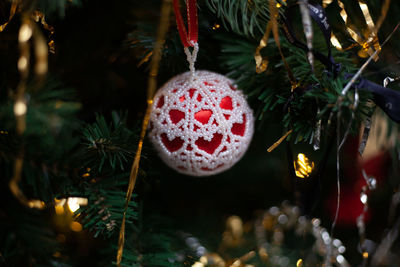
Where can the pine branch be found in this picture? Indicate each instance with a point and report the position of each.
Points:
(113, 145)
(247, 18)
(238, 58)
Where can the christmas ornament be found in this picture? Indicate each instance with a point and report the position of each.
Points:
(200, 124)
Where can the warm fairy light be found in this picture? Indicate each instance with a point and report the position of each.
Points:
(303, 166)
(365, 255)
(335, 42)
(25, 33)
(37, 204)
(299, 263)
(216, 26)
(41, 52)
(203, 260)
(278, 5)
(75, 202)
(262, 252)
(20, 108)
(22, 63)
(75, 226)
(59, 210)
(41, 67)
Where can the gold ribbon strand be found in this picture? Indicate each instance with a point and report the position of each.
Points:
(27, 32)
(369, 43)
(39, 16)
(13, 10)
(151, 89)
(272, 25)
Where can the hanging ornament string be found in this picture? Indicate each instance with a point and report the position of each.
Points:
(151, 88)
(188, 37)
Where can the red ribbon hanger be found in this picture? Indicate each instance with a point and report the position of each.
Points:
(191, 10)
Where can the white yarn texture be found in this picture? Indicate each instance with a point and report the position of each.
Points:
(200, 124)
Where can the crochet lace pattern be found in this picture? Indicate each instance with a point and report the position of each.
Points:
(200, 124)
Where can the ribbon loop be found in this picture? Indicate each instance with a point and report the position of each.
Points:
(191, 10)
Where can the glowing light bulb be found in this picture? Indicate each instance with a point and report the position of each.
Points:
(299, 263)
(20, 108)
(75, 226)
(74, 203)
(25, 33)
(22, 63)
(216, 26)
(303, 166)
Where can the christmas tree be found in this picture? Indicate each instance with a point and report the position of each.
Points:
(208, 133)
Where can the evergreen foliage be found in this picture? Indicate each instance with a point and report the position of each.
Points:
(70, 152)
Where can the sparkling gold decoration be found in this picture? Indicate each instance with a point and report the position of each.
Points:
(75, 226)
(87, 173)
(233, 234)
(13, 9)
(39, 16)
(20, 108)
(326, 3)
(272, 25)
(216, 26)
(59, 210)
(73, 204)
(262, 63)
(270, 228)
(369, 41)
(303, 166)
(299, 263)
(335, 42)
(277, 143)
(145, 59)
(151, 88)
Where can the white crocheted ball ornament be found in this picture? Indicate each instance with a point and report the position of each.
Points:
(200, 125)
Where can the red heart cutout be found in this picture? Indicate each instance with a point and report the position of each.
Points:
(238, 128)
(226, 103)
(172, 145)
(176, 115)
(203, 116)
(209, 146)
